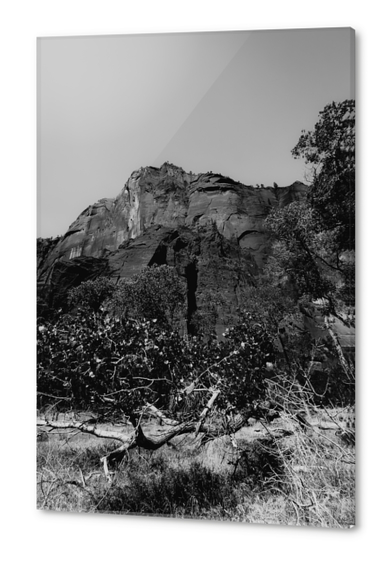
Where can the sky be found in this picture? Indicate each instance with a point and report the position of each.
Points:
(228, 102)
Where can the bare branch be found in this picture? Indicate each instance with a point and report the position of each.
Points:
(137, 438)
(347, 368)
(87, 428)
(206, 410)
(52, 396)
(153, 410)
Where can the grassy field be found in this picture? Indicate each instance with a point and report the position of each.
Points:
(306, 477)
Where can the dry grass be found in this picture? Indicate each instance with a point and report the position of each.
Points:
(304, 478)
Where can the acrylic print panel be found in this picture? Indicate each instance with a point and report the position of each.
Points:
(196, 276)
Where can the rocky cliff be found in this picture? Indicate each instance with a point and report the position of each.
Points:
(208, 226)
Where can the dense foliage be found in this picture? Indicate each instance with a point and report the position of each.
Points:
(156, 293)
(90, 295)
(330, 151)
(116, 367)
(314, 240)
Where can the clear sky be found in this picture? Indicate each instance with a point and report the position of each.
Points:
(230, 102)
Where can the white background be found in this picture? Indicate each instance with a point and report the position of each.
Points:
(31, 535)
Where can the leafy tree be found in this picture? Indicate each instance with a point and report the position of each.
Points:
(313, 242)
(301, 253)
(156, 293)
(85, 360)
(331, 145)
(272, 301)
(122, 370)
(314, 237)
(91, 294)
(329, 150)
(205, 318)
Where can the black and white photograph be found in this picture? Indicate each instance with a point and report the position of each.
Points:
(196, 313)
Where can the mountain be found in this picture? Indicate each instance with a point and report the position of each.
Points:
(208, 226)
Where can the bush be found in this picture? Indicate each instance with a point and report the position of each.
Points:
(93, 361)
(91, 294)
(157, 293)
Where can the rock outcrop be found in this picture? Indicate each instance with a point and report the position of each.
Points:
(208, 226)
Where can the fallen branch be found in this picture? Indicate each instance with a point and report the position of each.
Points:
(86, 428)
(137, 437)
(347, 368)
(153, 410)
(206, 410)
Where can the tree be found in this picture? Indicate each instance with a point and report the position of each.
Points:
(331, 145)
(314, 239)
(131, 369)
(329, 150)
(120, 358)
(301, 253)
(156, 293)
(91, 294)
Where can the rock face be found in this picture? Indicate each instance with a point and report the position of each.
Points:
(172, 198)
(208, 226)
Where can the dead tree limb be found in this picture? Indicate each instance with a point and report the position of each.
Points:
(347, 368)
(137, 438)
(86, 428)
(206, 410)
(153, 410)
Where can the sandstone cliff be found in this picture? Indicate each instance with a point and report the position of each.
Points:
(172, 198)
(208, 226)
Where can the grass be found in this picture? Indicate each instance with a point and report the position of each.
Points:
(305, 478)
